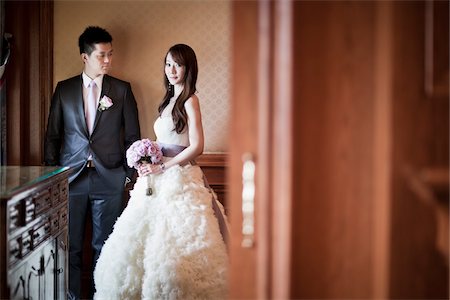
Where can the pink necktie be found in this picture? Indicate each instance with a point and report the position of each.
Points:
(91, 105)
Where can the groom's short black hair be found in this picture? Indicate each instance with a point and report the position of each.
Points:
(93, 35)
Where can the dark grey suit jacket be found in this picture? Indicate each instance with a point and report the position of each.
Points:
(67, 141)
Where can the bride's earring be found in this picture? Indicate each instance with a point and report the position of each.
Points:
(171, 92)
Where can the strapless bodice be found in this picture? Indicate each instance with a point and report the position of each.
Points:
(164, 129)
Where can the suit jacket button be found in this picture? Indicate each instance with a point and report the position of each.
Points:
(90, 141)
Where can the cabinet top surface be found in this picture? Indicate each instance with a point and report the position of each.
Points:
(14, 179)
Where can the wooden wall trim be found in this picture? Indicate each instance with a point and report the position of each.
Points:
(212, 160)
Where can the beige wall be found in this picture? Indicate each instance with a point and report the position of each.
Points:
(142, 33)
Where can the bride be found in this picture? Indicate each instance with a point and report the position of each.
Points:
(169, 245)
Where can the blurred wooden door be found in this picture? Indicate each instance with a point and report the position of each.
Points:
(315, 61)
(260, 130)
(351, 72)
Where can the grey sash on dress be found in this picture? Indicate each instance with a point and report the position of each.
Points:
(170, 150)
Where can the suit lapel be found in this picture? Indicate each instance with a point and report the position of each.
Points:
(106, 85)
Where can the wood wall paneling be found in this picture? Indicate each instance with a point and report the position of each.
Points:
(45, 71)
(28, 79)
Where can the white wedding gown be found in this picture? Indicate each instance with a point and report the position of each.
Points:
(167, 245)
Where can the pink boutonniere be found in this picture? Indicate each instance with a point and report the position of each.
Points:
(105, 103)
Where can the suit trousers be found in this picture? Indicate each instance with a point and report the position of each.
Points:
(89, 193)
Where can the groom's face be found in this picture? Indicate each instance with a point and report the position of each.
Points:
(99, 61)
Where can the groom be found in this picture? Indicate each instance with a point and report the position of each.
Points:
(93, 120)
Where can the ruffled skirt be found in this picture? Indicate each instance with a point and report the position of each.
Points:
(167, 245)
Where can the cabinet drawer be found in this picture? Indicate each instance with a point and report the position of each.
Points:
(29, 210)
(63, 216)
(14, 250)
(43, 201)
(16, 216)
(41, 232)
(54, 222)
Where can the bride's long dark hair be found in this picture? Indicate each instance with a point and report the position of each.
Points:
(184, 56)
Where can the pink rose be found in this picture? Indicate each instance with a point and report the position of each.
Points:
(143, 150)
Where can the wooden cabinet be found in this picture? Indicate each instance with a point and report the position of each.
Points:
(33, 232)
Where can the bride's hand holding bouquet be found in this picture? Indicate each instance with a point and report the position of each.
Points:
(146, 169)
(145, 156)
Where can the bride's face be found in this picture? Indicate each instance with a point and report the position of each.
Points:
(174, 71)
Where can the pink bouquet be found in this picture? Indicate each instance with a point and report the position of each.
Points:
(143, 150)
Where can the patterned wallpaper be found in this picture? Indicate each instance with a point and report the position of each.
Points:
(142, 33)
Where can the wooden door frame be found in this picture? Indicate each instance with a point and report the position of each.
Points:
(262, 125)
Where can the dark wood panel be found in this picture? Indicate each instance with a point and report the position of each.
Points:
(29, 79)
(417, 269)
